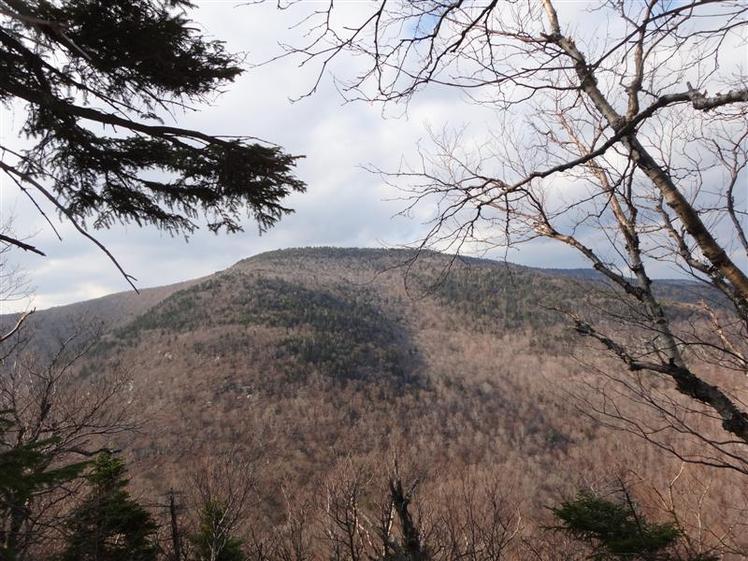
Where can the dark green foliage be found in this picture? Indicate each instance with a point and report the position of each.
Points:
(92, 75)
(180, 312)
(212, 540)
(616, 531)
(26, 471)
(505, 297)
(502, 297)
(109, 525)
(343, 333)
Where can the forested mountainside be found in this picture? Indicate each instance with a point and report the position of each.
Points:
(313, 360)
(53, 325)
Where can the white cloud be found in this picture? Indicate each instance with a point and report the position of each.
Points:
(344, 205)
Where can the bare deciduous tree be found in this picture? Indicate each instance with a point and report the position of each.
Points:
(478, 523)
(66, 420)
(347, 527)
(623, 138)
(14, 285)
(224, 492)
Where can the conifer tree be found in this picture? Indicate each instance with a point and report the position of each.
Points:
(212, 541)
(110, 525)
(615, 530)
(26, 471)
(96, 79)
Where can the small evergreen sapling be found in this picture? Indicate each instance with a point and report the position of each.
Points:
(212, 541)
(26, 471)
(109, 525)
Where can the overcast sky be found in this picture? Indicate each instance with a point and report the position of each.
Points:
(344, 205)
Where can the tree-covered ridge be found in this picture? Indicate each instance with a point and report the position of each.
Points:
(323, 357)
(503, 297)
(368, 255)
(342, 331)
(462, 278)
(351, 313)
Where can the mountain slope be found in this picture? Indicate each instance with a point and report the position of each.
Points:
(315, 357)
(52, 325)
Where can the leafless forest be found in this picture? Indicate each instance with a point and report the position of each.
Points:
(388, 404)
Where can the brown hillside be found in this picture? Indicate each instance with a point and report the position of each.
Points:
(314, 358)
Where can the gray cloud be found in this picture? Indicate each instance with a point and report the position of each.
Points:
(344, 205)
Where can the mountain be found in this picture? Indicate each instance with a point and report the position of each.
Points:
(99, 315)
(314, 357)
